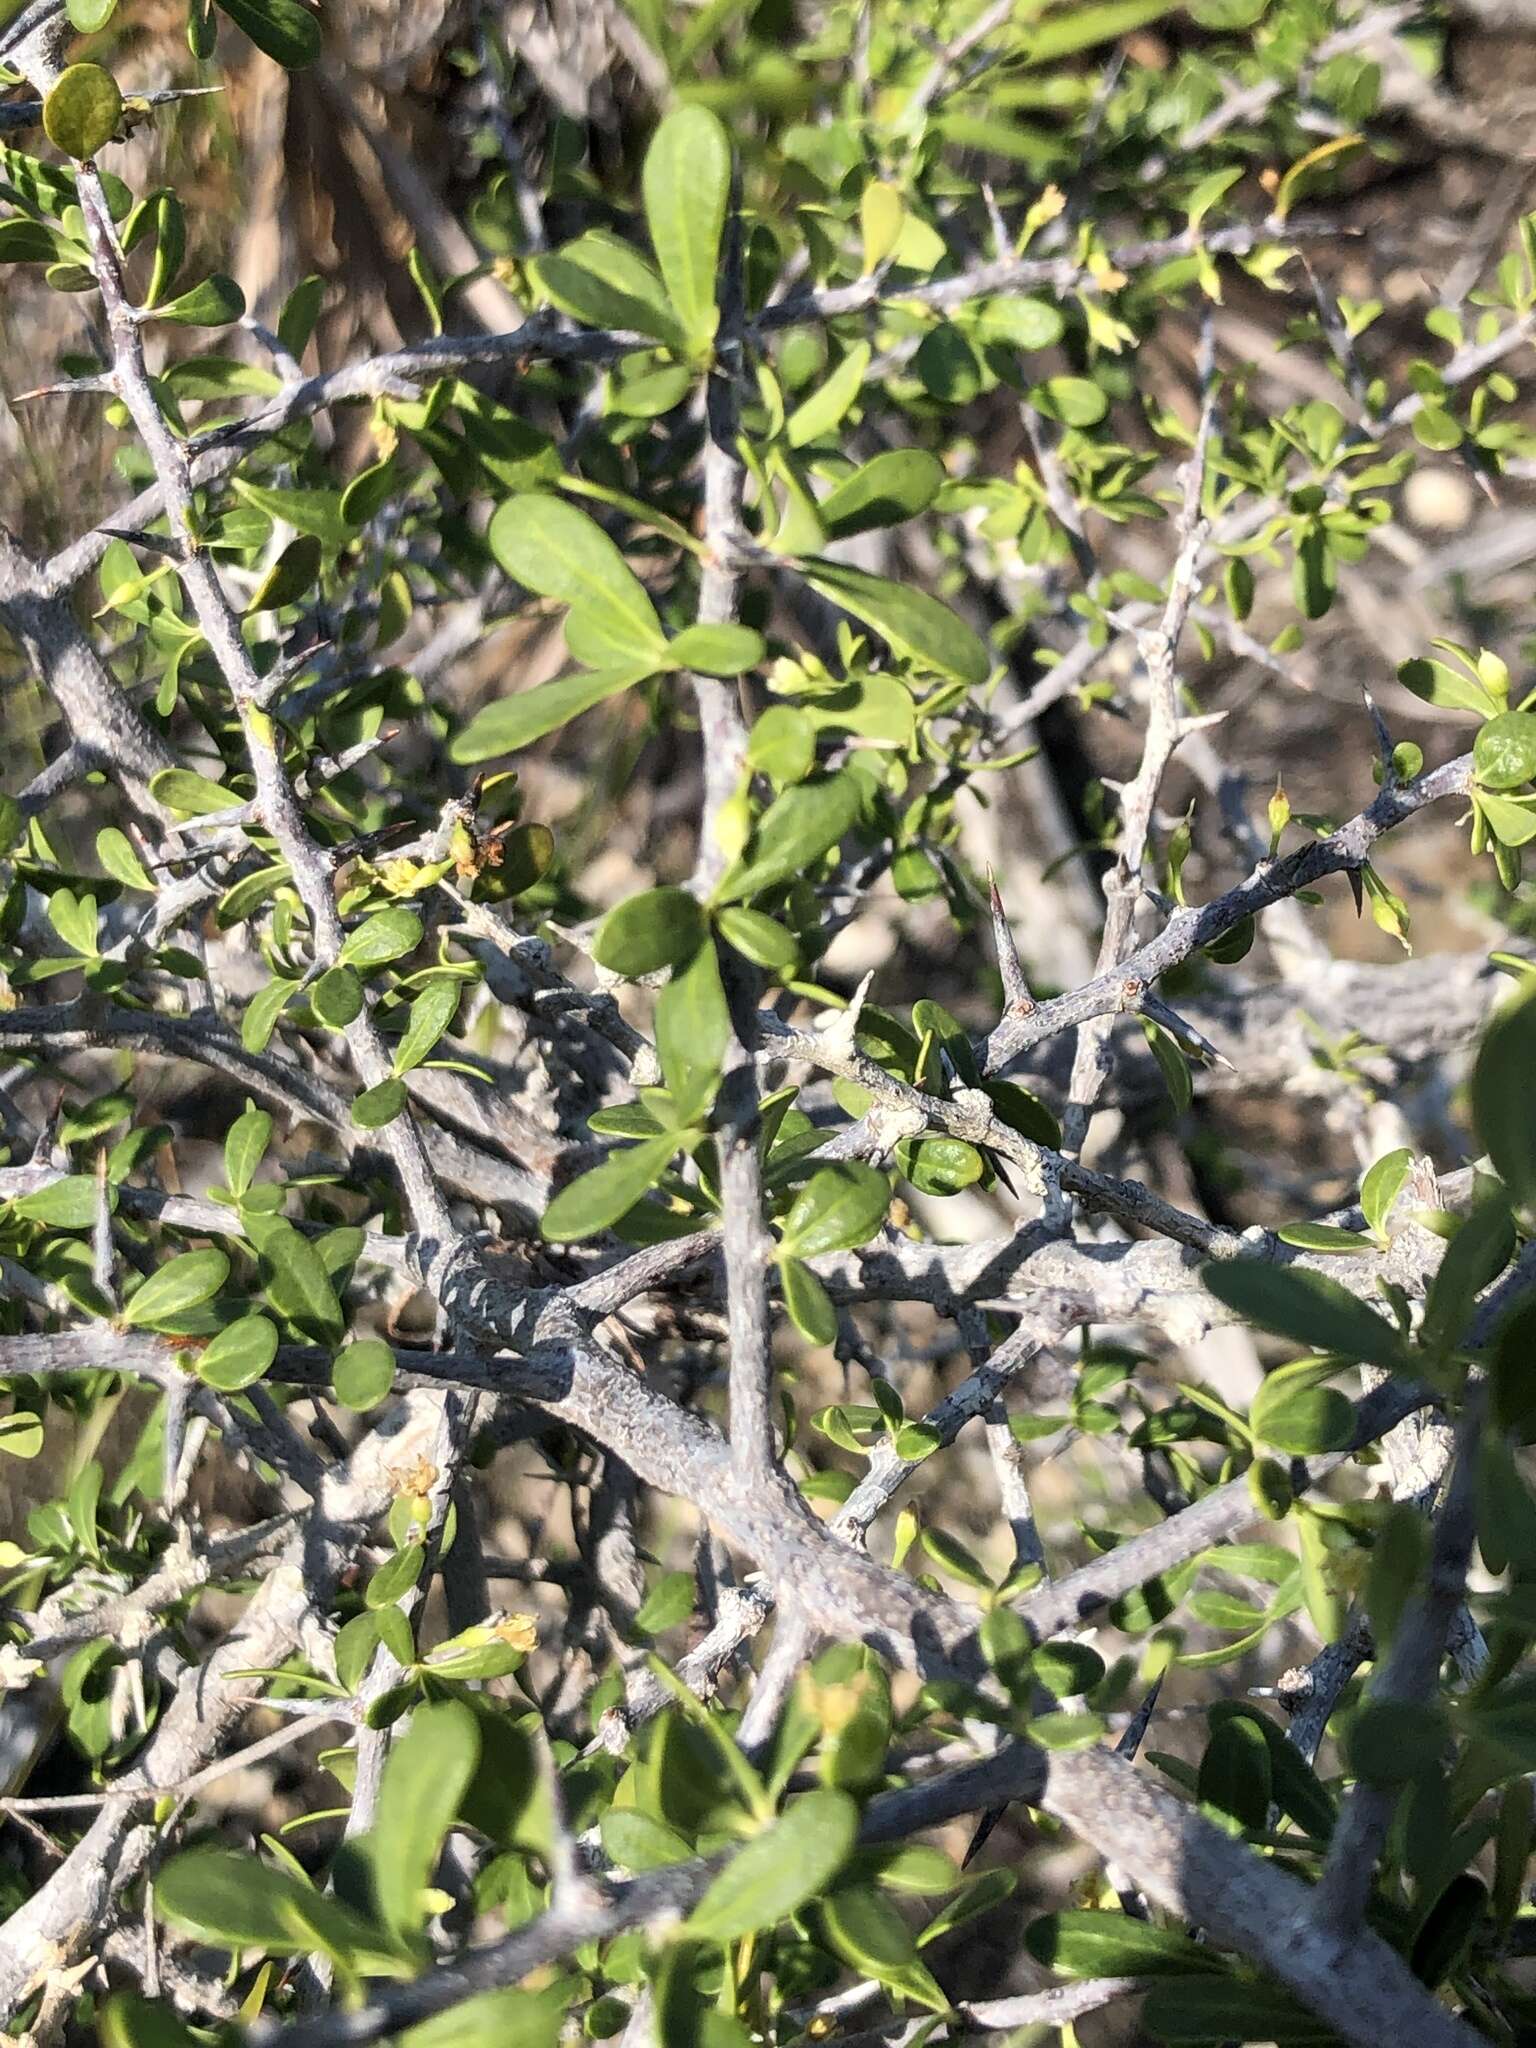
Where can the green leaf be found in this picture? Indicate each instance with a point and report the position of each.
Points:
(841, 1206)
(555, 550)
(82, 110)
(1067, 1669)
(778, 1870)
(236, 1901)
(1437, 683)
(808, 1303)
(182, 1283)
(395, 1577)
(170, 227)
(669, 1602)
(1234, 1772)
(301, 310)
(515, 2018)
(1399, 1557)
(1324, 1237)
(291, 577)
(639, 1841)
(379, 1105)
(363, 1374)
(216, 302)
(914, 623)
(890, 488)
(65, 1204)
(1210, 2009)
(1306, 1307)
(782, 744)
(602, 281)
(87, 16)
(387, 935)
(117, 856)
(1391, 1741)
(1475, 1257)
(238, 1355)
(939, 1166)
(190, 795)
(1298, 1415)
(315, 513)
(284, 30)
(762, 940)
(1088, 1944)
(719, 650)
(826, 406)
(1512, 1372)
(1074, 401)
(686, 184)
(298, 1285)
(871, 1936)
(659, 928)
(793, 833)
(598, 1199)
(431, 1014)
(1504, 752)
(337, 997)
(427, 1774)
(1382, 1185)
(262, 1013)
(28, 241)
(514, 722)
(1511, 820)
(1504, 1095)
(693, 1028)
(245, 1146)
(21, 1434)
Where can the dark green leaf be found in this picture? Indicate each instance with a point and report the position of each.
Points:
(778, 1870)
(914, 623)
(378, 1105)
(693, 1028)
(890, 488)
(1306, 1307)
(337, 997)
(603, 281)
(191, 795)
(315, 513)
(431, 1014)
(1503, 1105)
(298, 1285)
(1209, 2010)
(291, 577)
(428, 1770)
(840, 1207)
(598, 1199)
(284, 29)
(808, 1303)
(794, 832)
(182, 1283)
(387, 935)
(514, 722)
(216, 302)
(660, 928)
(1088, 1944)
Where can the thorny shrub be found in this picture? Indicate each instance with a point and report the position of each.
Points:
(352, 1149)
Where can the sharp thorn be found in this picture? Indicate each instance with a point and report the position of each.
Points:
(1016, 991)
